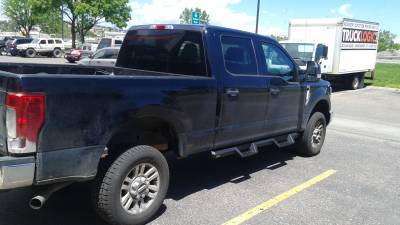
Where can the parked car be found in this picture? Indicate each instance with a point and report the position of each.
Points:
(85, 51)
(3, 42)
(11, 46)
(50, 47)
(195, 89)
(102, 57)
(109, 42)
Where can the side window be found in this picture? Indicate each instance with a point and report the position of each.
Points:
(43, 42)
(277, 62)
(239, 55)
(50, 42)
(58, 42)
(109, 54)
(118, 42)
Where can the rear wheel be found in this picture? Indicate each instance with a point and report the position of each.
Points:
(57, 53)
(355, 81)
(30, 53)
(313, 138)
(132, 190)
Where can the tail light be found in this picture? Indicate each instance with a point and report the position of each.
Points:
(24, 117)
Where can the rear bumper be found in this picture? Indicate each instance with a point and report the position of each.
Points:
(16, 172)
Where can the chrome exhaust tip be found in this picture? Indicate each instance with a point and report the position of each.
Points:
(37, 202)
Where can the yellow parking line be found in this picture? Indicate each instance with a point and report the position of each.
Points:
(268, 204)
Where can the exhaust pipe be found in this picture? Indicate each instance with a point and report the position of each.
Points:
(39, 200)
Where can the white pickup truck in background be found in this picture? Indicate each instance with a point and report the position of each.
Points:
(351, 44)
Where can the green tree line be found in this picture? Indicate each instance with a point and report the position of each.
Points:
(386, 41)
(81, 16)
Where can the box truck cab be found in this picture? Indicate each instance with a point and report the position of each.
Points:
(351, 47)
(303, 52)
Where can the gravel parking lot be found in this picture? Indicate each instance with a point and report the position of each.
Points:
(362, 145)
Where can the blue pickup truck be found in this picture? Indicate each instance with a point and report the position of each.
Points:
(175, 89)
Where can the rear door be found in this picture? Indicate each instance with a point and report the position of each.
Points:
(245, 93)
(285, 95)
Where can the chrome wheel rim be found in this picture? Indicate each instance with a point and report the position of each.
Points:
(140, 188)
(356, 82)
(317, 135)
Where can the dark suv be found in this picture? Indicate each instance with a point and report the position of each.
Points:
(11, 46)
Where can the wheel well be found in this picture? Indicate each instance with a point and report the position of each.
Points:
(149, 131)
(323, 107)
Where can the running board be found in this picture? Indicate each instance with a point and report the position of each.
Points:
(253, 149)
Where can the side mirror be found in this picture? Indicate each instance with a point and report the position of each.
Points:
(313, 72)
(321, 52)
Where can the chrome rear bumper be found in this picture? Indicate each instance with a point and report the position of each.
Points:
(16, 172)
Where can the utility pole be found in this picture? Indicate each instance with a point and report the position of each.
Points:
(62, 20)
(258, 15)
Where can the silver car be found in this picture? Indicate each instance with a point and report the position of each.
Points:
(102, 57)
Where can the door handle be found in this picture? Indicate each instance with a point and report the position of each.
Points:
(233, 92)
(274, 91)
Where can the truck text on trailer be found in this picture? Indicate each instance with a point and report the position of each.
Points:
(351, 44)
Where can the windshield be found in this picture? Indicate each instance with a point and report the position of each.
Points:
(168, 51)
(35, 41)
(300, 51)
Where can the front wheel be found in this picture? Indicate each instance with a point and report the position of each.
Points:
(313, 138)
(133, 188)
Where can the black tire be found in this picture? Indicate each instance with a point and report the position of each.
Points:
(306, 145)
(355, 81)
(30, 53)
(57, 53)
(3, 51)
(107, 190)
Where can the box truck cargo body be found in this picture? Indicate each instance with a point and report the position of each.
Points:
(352, 46)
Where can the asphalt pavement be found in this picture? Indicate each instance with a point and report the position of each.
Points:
(362, 146)
(38, 60)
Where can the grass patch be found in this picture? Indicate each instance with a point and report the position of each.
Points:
(386, 75)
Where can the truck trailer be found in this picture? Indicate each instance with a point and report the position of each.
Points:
(351, 44)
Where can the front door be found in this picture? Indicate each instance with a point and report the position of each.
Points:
(285, 95)
(244, 96)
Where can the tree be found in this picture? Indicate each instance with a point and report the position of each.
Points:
(23, 13)
(186, 16)
(83, 15)
(386, 40)
(8, 26)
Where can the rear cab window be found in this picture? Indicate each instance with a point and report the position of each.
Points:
(169, 51)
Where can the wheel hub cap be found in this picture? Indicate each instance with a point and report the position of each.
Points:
(318, 134)
(140, 188)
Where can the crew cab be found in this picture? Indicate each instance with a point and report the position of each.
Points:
(175, 89)
(42, 46)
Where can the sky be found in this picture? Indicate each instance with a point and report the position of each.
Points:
(274, 15)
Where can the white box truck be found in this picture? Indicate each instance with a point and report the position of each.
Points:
(351, 44)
